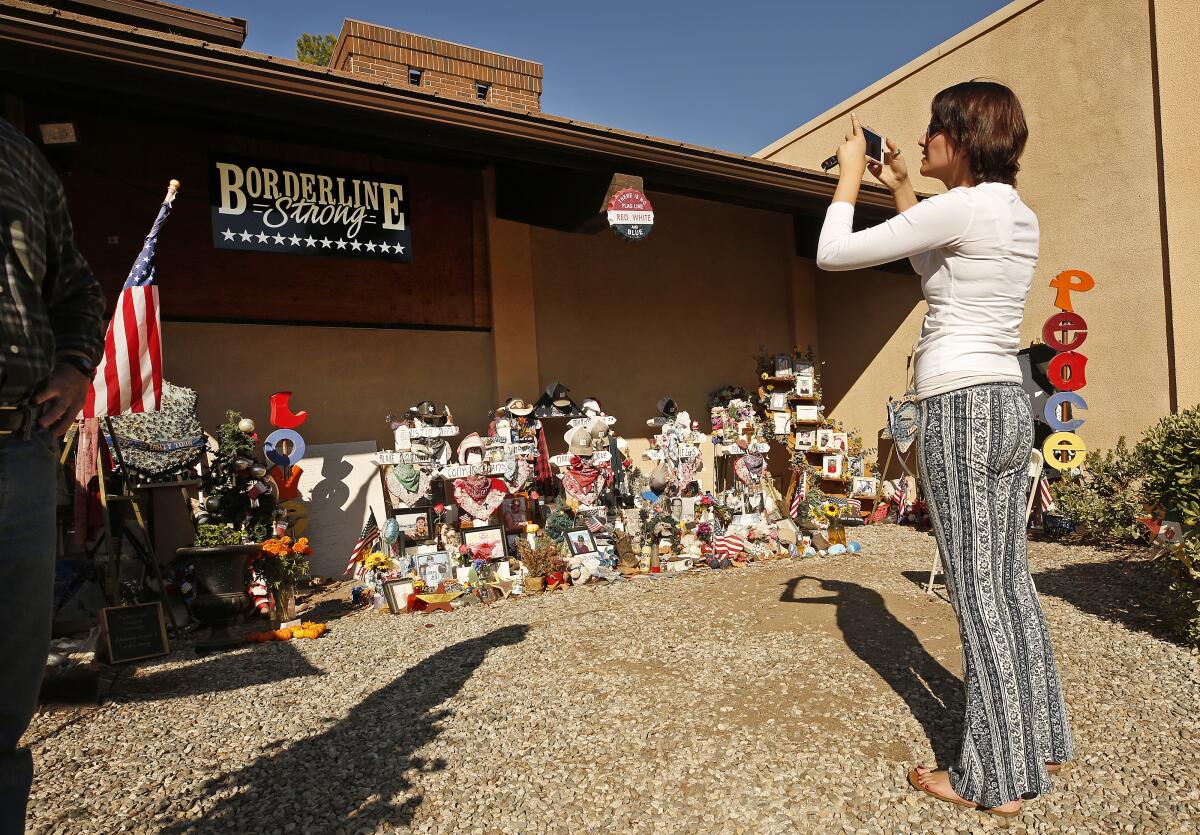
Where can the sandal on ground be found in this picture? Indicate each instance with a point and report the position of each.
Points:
(914, 780)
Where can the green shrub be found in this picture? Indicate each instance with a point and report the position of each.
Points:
(212, 536)
(1183, 607)
(1170, 455)
(1103, 499)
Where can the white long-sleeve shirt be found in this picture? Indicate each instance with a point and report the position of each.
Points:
(976, 249)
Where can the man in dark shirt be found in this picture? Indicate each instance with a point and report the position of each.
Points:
(51, 337)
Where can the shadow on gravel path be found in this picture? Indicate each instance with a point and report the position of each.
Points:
(362, 760)
(1131, 593)
(213, 674)
(933, 694)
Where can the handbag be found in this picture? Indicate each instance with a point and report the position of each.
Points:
(904, 417)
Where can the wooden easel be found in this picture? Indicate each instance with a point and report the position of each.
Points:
(132, 526)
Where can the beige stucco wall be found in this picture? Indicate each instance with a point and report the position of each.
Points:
(347, 379)
(1083, 73)
(680, 313)
(1177, 24)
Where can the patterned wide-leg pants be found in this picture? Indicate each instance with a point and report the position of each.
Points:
(974, 446)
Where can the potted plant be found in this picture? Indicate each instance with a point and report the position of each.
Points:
(280, 562)
(538, 558)
(237, 513)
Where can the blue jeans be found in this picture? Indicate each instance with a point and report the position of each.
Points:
(28, 486)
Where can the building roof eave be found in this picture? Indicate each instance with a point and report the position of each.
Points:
(101, 40)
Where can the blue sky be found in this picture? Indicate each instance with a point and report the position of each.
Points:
(729, 75)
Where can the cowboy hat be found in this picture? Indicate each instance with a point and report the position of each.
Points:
(428, 414)
(518, 407)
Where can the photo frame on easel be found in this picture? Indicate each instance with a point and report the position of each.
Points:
(473, 537)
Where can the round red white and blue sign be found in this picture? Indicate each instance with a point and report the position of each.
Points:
(630, 214)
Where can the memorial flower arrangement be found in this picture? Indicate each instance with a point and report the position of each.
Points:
(377, 561)
(282, 560)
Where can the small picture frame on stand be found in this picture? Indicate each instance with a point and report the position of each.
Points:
(779, 401)
(832, 466)
(474, 537)
(415, 523)
(805, 386)
(783, 365)
(580, 542)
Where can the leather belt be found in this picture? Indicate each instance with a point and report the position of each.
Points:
(17, 420)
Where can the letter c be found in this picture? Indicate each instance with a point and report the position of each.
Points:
(1051, 411)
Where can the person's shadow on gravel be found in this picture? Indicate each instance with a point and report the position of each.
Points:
(346, 776)
(933, 694)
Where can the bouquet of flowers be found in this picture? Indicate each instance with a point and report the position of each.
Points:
(282, 560)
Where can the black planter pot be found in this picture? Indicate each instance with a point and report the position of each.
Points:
(220, 577)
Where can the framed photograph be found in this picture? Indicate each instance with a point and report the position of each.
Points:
(779, 401)
(474, 537)
(435, 567)
(689, 507)
(514, 510)
(677, 507)
(863, 487)
(803, 368)
(841, 442)
(805, 386)
(781, 422)
(608, 554)
(808, 414)
(831, 466)
(856, 466)
(396, 593)
(754, 503)
(580, 541)
(806, 439)
(824, 439)
(783, 365)
(415, 523)
(510, 541)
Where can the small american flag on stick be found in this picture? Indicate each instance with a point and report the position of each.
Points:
(368, 539)
(1047, 499)
(129, 377)
(801, 495)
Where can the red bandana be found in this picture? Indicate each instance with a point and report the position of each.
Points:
(479, 495)
(583, 481)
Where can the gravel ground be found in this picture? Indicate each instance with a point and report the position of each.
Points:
(784, 697)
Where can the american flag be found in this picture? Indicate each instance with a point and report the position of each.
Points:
(367, 540)
(1047, 500)
(129, 377)
(592, 520)
(728, 546)
(801, 495)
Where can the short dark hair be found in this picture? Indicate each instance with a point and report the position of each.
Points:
(984, 120)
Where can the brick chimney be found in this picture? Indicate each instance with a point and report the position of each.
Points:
(448, 69)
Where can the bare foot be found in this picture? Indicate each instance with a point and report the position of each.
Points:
(1053, 768)
(937, 782)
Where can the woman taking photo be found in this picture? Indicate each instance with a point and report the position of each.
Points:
(975, 247)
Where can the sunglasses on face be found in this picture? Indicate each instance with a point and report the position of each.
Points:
(933, 130)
